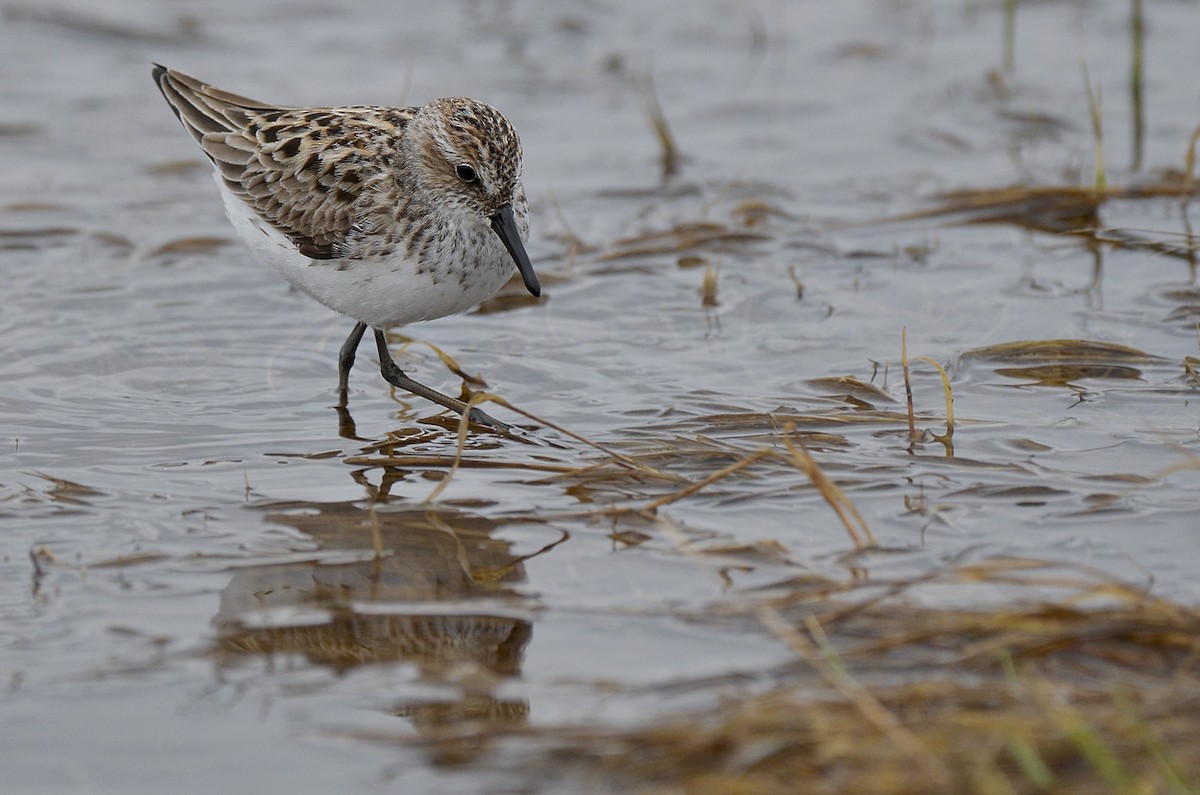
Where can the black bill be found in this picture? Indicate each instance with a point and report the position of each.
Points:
(505, 225)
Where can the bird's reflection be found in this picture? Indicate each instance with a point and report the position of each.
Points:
(347, 428)
(339, 613)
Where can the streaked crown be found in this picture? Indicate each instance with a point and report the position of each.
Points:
(470, 149)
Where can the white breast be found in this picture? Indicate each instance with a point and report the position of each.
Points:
(380, 291)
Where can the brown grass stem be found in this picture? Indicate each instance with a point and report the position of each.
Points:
(1095, 110)
(1137, 80)
(756, 456)
(1189, 160)
(908, 395)
(619, 458)
(450, 363)
(429, 461)
(662, 130)
(834, 496)
(948, 393)
(708, 286)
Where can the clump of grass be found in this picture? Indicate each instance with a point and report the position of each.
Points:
(1092, 691)
(1029, 738)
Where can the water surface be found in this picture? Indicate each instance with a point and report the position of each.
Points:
(210, 610)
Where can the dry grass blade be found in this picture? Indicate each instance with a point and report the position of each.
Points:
(708, 286)
(619, 458)
(662, 130)
(464, 422)
(446, 358)
(67, 491)
(1095, 111)
(457, 462)
(1089, 351)
(833, 495)
(1055, 209)
(849, 385)
(795, 277)
(37, 556)
(429, 461)
(498, 573)
(679, 239)
(486, 397)
(1137, 83)
(1190, 159)
(913, 436)
(758, 455)
(137, 559)
(949, 395)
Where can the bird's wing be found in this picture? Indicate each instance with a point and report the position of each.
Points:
(302, 170)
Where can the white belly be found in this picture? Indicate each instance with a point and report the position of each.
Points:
(380, 291)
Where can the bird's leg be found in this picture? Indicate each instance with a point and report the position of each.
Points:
(396, 377)
(346, 427)
(346, 360)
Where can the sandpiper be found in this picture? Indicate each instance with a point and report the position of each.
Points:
(388, 215)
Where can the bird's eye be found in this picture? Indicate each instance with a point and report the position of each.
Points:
(465, 172)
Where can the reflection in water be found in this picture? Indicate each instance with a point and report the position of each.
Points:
(1061, 362)
(347, 428)
(337, 614)
(1065, 374)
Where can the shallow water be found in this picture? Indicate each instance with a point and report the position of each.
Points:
(210, 604)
